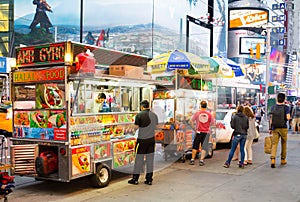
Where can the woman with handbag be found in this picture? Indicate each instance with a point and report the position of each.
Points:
(251, 133)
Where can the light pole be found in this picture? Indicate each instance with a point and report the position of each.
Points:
(268, 51)
(81, 20)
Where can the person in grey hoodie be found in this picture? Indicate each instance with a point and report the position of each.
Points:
(240, 123)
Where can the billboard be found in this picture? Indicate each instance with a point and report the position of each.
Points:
(278, 65)
(250, 42)
(143, 27)
(247, 17)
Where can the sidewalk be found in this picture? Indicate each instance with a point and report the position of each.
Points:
(177, 181)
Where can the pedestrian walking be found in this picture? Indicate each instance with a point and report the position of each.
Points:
(251, 133)
(296, 117)
(201, 122)
(146, 121)
(240, 124)
(279, 116)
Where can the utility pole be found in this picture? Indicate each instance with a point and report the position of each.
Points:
(268, 51)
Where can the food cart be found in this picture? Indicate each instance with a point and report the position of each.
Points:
(74, 106)
(175, 106)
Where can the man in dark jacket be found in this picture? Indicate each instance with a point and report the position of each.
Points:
(147, 122)
(240, 124)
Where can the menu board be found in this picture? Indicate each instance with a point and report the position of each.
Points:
(43, 124)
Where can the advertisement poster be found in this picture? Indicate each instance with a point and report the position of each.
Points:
(124, 153)
(50, 96)
(48, 125)
(81, 160)
(102, 151)
(49, 21)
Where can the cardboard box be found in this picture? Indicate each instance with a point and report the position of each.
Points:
(126, 71)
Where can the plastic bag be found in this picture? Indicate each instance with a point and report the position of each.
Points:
(268, 144)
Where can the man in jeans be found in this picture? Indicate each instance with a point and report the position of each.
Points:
(203, 119)
(279, 132)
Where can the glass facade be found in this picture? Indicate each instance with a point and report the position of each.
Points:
(6, 27)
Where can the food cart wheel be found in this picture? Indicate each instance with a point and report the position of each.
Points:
(102, 176)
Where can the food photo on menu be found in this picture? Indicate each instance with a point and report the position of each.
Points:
(50, 96)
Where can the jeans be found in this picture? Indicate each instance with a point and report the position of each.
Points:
(236, 140)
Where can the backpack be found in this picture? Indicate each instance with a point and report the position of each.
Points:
(297, 112)
(278, 116)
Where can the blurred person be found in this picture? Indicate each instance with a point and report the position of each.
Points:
(201, 122)
(251, 132)
(259, 114)
(239, 122)
(89, 38)
(146, 121)
(291, 105)
(279, 116)
(296, 117)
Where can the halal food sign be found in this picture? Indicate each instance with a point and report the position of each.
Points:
(42, 75)
(45, 54)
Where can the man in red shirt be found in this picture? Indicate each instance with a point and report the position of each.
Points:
(201, 122)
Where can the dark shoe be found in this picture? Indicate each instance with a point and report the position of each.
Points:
(272, 163)
(133, 181)
(226, 165)
(192, 162)
(148, 182)
(241, 165)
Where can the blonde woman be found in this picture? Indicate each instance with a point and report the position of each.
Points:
(251, 135)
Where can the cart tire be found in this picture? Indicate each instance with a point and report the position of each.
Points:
(102, 176)
(210, 151)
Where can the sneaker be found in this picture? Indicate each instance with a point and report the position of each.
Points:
(241, 165)
(226, 165)
(148, 182)
(133, 181)
(201, 163)
(192, 162)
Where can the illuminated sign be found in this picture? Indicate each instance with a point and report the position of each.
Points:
(250, 42)
(42, 75)
(247, 18)
(44, 54)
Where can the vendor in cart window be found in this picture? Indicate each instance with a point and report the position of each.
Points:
(98, 104)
